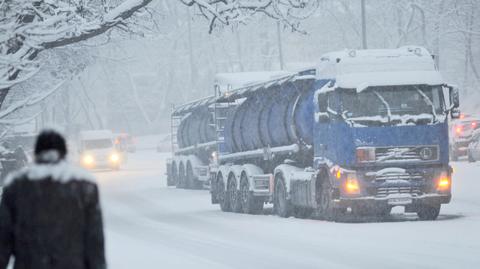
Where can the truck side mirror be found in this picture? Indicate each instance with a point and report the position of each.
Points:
(455, 113)
(454, 97)
(454, 102)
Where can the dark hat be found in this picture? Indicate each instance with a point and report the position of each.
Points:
(50, 141)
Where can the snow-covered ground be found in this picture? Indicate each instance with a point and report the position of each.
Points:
(151, 226)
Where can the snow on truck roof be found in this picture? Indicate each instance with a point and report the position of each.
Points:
(353, 69)
(96, 134)
(379, 67)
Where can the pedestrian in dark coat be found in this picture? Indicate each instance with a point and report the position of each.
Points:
(50, 215)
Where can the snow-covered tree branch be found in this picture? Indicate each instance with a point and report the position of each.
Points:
(27, 27)
(226, 12)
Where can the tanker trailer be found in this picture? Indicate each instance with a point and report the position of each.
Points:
(363, 132)
(193, 142)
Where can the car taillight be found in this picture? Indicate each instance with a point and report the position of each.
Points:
(474, 125)
(365, 155)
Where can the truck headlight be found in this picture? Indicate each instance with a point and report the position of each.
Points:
(365, 154)
(114, 157)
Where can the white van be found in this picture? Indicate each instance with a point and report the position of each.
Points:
(97, 150)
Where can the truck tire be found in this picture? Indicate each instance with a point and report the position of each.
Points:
(327, 210)
(428, 212)
(282, 205)
(181, 176)
(192, 182)
(222, 195)
(173, 175)
(233, 195)
(249, 203)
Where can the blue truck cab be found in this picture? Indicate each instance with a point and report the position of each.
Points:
(381, 130)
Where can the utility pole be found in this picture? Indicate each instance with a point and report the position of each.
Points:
(364, 26)
(280, 49)
(190, 50)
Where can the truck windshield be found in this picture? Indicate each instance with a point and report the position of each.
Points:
(392, 105)
(98, 144)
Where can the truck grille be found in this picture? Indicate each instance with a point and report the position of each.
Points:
(386, 191)
(399, 176)
(406, 154)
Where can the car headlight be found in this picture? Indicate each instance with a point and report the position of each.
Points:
(114, 157)
(88, 159)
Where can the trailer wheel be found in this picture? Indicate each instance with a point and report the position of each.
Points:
(192, 182)
(222, 197)
(327, 209)
(181, 176)
(281, 203)
(173, 175)
(428, 212)
(249, 203)
(233, 195)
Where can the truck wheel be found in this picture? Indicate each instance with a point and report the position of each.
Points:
(281, 204)
(181, 176)
(233, 195)
(249, 203)
(222, 197)
(174, 175)
(428, 212)
(326, 206)
(192, 182)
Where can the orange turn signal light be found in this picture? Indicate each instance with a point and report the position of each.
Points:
(443, 184)
(352, 186)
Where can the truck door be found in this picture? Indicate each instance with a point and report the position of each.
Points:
(322, 133)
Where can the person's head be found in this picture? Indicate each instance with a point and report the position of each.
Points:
(50, 147)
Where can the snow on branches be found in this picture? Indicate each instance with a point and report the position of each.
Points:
(30, 26)
(225, 12)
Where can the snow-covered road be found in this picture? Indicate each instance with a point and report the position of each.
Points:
(151, 226)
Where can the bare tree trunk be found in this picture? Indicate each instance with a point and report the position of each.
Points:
(190, 50)
(437, 29)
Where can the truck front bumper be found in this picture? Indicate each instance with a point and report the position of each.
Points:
(402, 200)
